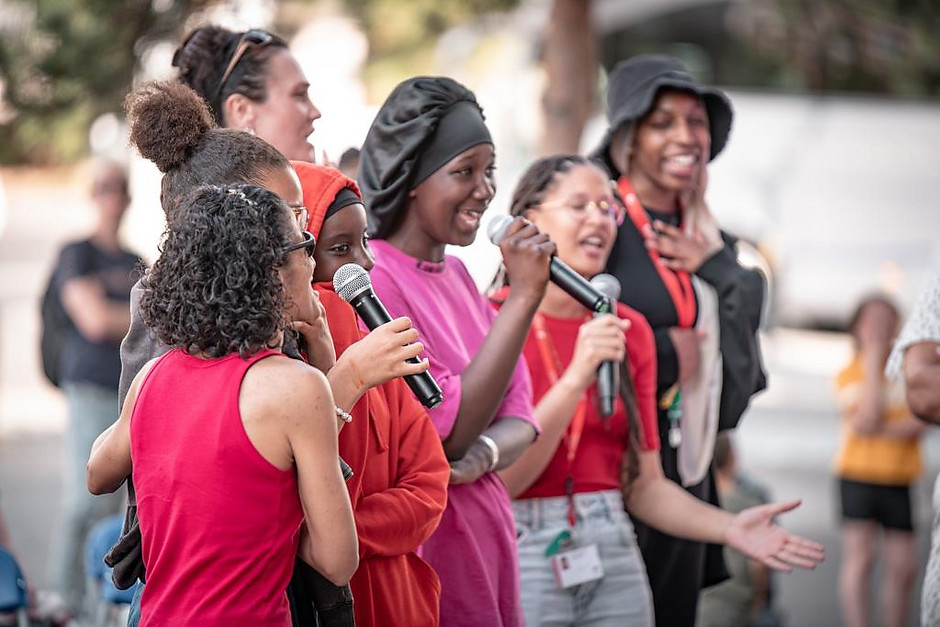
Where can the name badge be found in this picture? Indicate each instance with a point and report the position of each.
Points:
(577, 566)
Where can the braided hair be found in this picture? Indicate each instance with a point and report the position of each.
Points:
(536, 181)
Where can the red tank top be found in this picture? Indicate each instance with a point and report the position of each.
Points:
(218, 522)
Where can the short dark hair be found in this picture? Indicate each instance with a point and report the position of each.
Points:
(171, 126)
(205, 54)
(215, 290)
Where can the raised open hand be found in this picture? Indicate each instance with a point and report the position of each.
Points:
(753, 533)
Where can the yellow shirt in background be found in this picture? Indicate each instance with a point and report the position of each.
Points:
(874, 458)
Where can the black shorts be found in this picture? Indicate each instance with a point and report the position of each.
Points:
(888, 505)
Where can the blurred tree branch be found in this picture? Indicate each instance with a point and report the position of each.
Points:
(570, 59)
(64, 62)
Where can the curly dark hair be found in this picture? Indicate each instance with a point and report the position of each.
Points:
(172, 126)
(215, 289)
(205, 54)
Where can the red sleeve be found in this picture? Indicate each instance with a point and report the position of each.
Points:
(400, 519)
(641, 352)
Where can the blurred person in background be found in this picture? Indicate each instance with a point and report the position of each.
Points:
(745, 599)
(427, 177)
(571, 487)
(681, 273)
(349, 163)
(232, 445)
(95, 278)
(878, 460)
(251, 82)
(917, 354)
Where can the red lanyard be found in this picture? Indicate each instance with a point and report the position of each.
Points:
(678, 282)
(572, 437)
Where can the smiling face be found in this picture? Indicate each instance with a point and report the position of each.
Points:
(568, 213)
(343, 240)
(446, 208)
(285, 118)
(672, 142)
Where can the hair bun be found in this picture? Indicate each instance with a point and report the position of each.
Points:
(167, 121)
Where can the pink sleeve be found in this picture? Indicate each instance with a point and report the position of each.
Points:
(517, 402)
(444, 416)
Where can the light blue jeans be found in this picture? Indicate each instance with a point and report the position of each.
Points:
(92, 408)
(621, 598)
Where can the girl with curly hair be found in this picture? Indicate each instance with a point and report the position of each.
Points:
(232, 445)
(173, 127)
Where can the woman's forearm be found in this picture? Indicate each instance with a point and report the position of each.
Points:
(553, 414)
(664, 505)
(512, 437)
(486, 377)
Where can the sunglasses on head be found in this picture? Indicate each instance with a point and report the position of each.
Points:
(253, 37)
(308, 243)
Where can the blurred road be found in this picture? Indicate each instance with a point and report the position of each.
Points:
(786, 442)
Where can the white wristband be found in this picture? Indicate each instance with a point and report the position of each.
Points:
(494, 451)
(343, 415)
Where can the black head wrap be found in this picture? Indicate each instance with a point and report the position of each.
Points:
(425, 122)
(344, 198)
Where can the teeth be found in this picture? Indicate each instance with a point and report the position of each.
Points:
(594, 241)
(683, 160)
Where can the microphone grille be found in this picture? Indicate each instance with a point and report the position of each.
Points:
(496, 230)
(350, 279)
(608, 285)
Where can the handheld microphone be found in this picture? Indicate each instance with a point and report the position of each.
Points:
(560, 273)
(608, 373)
(352, 284)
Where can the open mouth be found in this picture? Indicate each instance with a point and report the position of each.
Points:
(594, 244)
(682, 164)
(471, 217)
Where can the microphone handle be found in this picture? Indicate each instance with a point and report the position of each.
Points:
(608, 374)
(575, 285)
(374, 314)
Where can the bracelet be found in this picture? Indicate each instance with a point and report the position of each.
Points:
(345, 416)
(494, 451)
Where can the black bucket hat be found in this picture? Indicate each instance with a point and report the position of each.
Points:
(632, 88)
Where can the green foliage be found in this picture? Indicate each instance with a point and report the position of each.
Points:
(64, 62)
(397, 26)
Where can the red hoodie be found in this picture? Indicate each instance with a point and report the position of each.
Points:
(399, 489)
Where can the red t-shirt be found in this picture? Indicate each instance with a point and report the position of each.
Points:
(599, 456)
(218, 522)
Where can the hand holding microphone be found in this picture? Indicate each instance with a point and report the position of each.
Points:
(527, 254)
(510, 235)
(353, 285)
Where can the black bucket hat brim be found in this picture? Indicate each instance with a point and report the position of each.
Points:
(639, 101)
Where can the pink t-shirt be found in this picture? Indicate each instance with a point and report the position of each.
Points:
(474, 547)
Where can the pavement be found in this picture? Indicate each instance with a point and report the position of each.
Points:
(786, 441)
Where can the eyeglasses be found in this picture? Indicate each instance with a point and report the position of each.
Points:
(301, 215)
(253, 37)
(309, 243)
(608, 206)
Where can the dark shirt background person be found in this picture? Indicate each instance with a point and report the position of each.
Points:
(95, 277)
